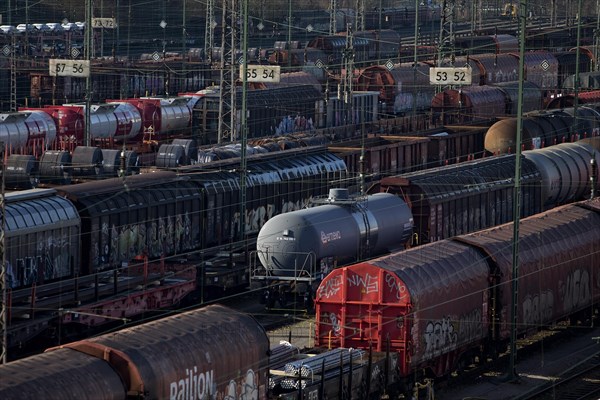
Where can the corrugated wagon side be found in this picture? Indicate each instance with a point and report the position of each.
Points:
(154, 214)
(430, 308)
(213, 352)
(462, 198)
(62, 374)
(558, 263)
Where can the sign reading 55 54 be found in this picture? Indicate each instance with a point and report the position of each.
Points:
(450, 75)
(262, 73)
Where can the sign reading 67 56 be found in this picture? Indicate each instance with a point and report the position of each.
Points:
(76, 68)
(450, 76)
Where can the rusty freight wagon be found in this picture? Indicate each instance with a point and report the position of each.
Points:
(207, 353)
(439, 305)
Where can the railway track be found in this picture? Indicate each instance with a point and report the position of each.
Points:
(581, 382)
(561, 363)
(464, 30)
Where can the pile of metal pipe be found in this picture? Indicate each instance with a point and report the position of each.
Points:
(282, 353)
(323, 366)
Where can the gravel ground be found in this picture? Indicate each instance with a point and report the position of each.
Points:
(533, 371)
(302, 334)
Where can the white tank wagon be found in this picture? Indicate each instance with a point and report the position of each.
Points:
(305, 244)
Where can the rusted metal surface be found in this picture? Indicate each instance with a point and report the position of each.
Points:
(458, 199)
(402, 89)
(494, 68)
(557, 263)
(568, 100)
(469, 103)
(436, 301)
(214, 351)
(416, 297)
(384, 154)
(543, 129)
(66, 374)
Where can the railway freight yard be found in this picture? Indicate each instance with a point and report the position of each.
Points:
(269, 199)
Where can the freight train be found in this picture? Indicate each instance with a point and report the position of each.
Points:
(147, 122)
(232, 359)
(130, 77)
(44, 39)
(394, 18)
(33, 130)
(402, 90)
(54, 39)
(442, 305)
(406, 87)
(544, 128)
(460, 105)
(392, 322)
(383, 154)
(155, 360)
(568, 99)
(296, 250)
(285, 110)
(75, 237)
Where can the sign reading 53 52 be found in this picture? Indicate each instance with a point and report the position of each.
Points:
(450, 75)
(262, 73)
(77, 68)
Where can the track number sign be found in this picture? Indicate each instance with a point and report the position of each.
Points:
(450, 76)
(106, 23)
(262, 73)
(76, 68)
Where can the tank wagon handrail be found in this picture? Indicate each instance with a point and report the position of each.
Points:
(306, 272)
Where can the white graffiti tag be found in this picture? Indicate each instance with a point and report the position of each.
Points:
(396, 289)
(439, 338)
(538, 308)
(335, 324)
(368, 283)
(330, 287)
(576, 291)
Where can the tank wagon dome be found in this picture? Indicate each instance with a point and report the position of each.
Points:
(294, 242)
